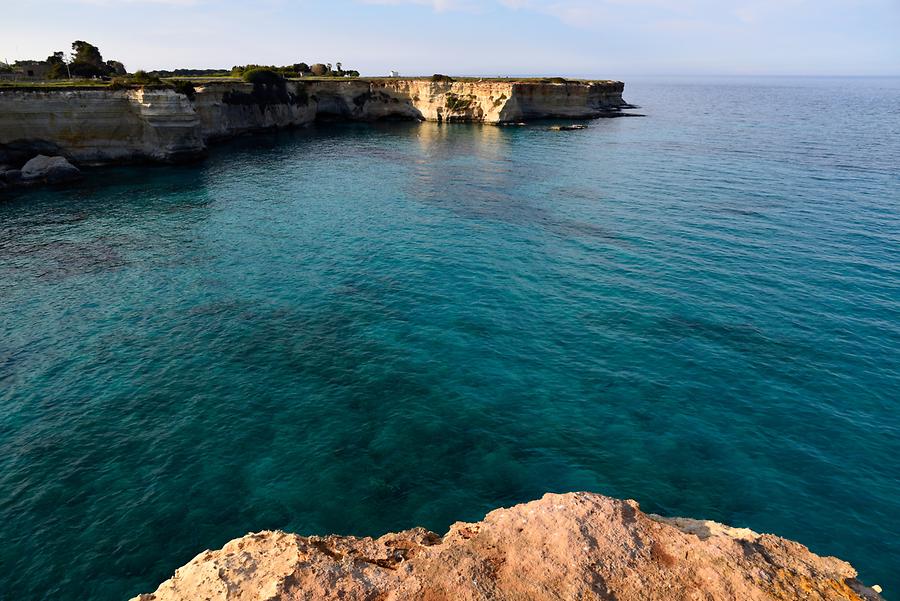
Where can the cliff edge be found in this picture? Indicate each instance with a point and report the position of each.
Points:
(574, 546)
(102, 126)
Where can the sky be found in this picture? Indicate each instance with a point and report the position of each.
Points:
(586, 38)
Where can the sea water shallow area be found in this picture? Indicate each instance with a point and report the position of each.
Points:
(362, 328)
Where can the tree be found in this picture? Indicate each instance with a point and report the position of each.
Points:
(57, 62)
(116, 68)
(87, 61)
(319, 69)
(87, 54)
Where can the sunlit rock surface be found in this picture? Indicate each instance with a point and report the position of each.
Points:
(574, 546)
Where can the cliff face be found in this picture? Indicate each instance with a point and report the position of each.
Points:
(576, 546)
(100, 126)
(229, 109)
(168, 125)
(485, 101)
(566, 100)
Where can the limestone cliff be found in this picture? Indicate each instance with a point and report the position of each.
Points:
(99, 126)
(575, 546)
(91, 126)
(229, 109)
(487, 101)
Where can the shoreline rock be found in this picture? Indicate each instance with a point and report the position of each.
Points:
(39, 170)
(52, 170)
(573, 546)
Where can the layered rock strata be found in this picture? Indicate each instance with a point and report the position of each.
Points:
(95, 126)
(98, 126)
(562, 547)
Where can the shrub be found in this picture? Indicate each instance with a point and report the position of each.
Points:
(119, 83)
(190, 72)
(140, 79)
(143, 78)
(437, 77)
(269, 87)
(185, 87)
(263, 77)
(456, 103)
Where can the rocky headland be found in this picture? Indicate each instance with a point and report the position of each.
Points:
(565, 547)
(92, 126)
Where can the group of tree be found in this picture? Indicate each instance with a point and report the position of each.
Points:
(191, 73)
(86, 61)
(299, 70)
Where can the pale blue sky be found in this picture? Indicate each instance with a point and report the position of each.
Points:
(597, 38)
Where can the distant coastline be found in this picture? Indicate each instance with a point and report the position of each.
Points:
(173, 120)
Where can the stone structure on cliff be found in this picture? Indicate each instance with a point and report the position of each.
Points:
(95, 126)
(565, 547)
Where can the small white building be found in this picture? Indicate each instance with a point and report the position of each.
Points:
(395, 74)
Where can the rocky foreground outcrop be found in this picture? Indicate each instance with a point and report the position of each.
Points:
(574, 546)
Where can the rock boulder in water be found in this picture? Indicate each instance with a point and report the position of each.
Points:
(567, 127)
(564, 547)
(53, 170)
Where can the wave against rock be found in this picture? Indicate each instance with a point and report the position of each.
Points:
(574, 546)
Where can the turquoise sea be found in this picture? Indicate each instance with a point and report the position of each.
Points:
(362, 328)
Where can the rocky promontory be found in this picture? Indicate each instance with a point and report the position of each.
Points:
(565, 547)
(93, 126)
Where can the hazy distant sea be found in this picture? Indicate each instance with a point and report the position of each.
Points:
(362, 328)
